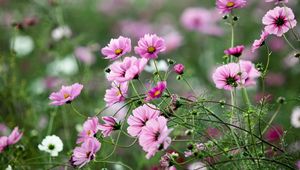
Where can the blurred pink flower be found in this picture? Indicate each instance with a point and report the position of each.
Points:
(290, 60)
(110, 7)
(117, 48)
(149, 46)
(298, 165)
(263, 96)
(274, 133)
(156, 91)
(51, 82)
(85, 153)
(135, 29)
(128, 69)
(226, 6)
(178, 68)
(66, 94)
(140, 117)
(235, 51)
(154, 136)
(85, 55)
(14, 137)
(117, 93)
(279, 20)
(276, 43)
(275, 79)
(3, 143)
(278, 1)
(201, 20)
(249, 55)
(90, 128)
(110, 125)
(252, 72)
(173, 40)
(260, 42)
(213, 132)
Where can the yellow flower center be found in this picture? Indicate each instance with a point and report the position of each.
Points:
(151, 49)
(66, 95)
(118, 51)
(230, 4)
(118, 93)
(89, 132)
(157, 93)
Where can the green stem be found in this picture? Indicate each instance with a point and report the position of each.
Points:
(77, 112)
(52, 115)
(246, 97)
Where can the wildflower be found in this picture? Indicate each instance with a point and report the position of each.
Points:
(149, 46)
(66, 94)
(235, 51)
(85, 153)
(279, 20)
(116, 48)
(295, 118)
(179, 68)
(252, 73)
(110, 125)
(85, 55)
(278, 1)
(154, 136)
(51, 144)
(128, 69)
(228, 76)
(260, 42)
(140, 117)
(90, 128)
(14, 137)
(117, 93)
(274, 133)
(156, 91)
(226, 6)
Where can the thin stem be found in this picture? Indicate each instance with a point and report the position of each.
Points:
(289, 43)
(77, 112)
(188, 84)
(272, 119)
(246, 97)
(52, 116)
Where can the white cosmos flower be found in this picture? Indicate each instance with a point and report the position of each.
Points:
(8, 167)
(161, 66)
(295, 118)
(51, 144)
(61, 32)
(22, 45)
(66, 66)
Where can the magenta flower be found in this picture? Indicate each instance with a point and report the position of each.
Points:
(235, 51)
(66, 94)
(85, 153)
(140, 117)
(274, 133)
(149, 46)
(278, 1)
(252, 73)
(90, 128)
(156, 91)
(260, 42)
(179, 68)
(279, 20)
(117, 93)
(228, 76)
(116, 48)
(110, 125)
(128, 69)
(14, 137)
(226, 6)
(155, 136)
(3, 143)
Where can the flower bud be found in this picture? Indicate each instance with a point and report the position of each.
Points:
(179, 69)
(170, 61)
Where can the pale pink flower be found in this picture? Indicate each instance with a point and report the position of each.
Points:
(235, 51)
(298, 165)
(278, 1)
(155, 136)
(173, 40)
(117, 93)
(14, 137)
(279, 20)
(140, 117)
(117, 48)
(251, 71)
(134, 28)
(179, 68)
(149, 46)
(90, 128)
(201, 20)
(228, 76)
(226, 6)
(66, 94)
(85, 55)
(3, 143)
(275, 79)
(128, 69)
(260, 42)
(156, 91)
(85, 153)
(110, 125)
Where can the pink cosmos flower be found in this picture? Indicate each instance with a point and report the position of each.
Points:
(3, 143)
(149, 46)
(252, 72)
(14, 137)
(279, 20)
(274, 133)
(85, 55)
(85, 153)
(128, 69)
(116, 48)
(201, 20)
(110, 125)
(278, 1)
(173, 40)
(228, 76)
(179, 68)
(117, 93)
(154, 136)
(226, 6)
(156, 91)
(66, 94)
(235, 51)
(258, 43)
(140, 117)
(90, 128)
